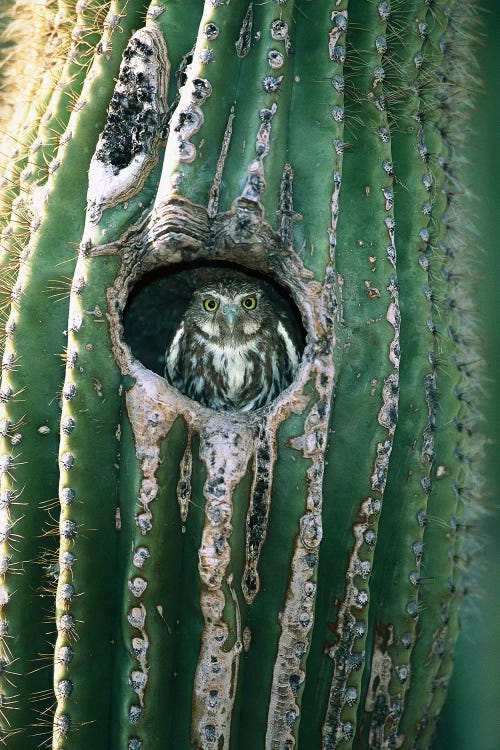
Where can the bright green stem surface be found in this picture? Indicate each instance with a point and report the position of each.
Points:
(32, 377)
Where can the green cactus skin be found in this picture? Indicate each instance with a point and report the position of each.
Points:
(34, 91)
(28, 540)
(287, 578)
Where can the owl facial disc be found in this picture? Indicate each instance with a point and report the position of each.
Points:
(233, 350)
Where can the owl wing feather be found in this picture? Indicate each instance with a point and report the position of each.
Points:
(291, 357)
(174, 357)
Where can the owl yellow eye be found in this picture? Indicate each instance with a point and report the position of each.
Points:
(249, 303)
(210, 304)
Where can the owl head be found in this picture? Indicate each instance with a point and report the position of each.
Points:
(231, 308)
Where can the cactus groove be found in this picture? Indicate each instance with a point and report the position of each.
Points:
(178, 577)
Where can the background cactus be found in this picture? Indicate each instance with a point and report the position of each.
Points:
(162, 562)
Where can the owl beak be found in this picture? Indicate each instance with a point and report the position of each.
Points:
(230, 315)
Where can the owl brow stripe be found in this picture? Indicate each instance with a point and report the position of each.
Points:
(224, 295)
(205, 292)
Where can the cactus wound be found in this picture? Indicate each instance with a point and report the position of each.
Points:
(255, 184)
(213, 202)
(230, 445)
(128, 146)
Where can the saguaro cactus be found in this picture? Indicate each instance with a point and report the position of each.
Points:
(175, 576)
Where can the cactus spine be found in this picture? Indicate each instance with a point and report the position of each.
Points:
(284, 578)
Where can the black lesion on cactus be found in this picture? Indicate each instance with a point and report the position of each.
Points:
(181, 76)
(133, 117)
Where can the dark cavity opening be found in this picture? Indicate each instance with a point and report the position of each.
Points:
(158, 303)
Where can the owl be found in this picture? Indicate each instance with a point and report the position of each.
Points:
(234, 349)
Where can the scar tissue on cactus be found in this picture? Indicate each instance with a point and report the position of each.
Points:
(289, 576)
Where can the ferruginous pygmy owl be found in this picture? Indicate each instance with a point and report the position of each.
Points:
(234, 349)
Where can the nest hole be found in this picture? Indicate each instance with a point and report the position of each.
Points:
(158, 302)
